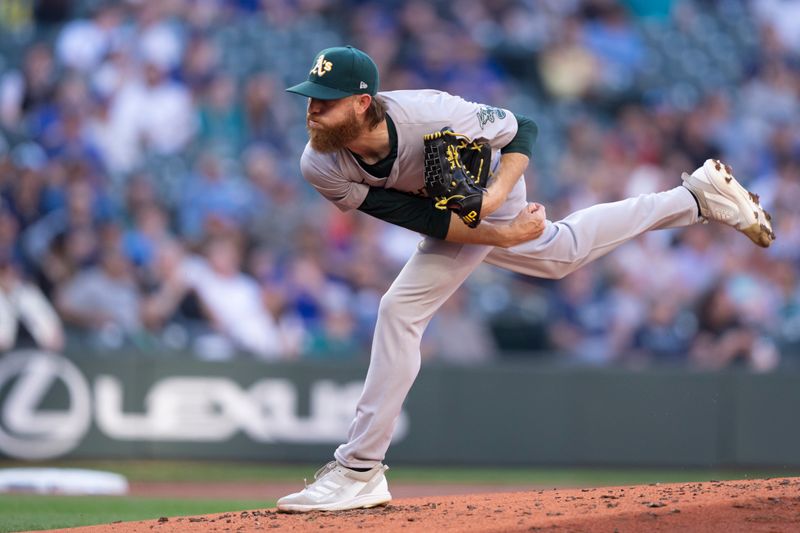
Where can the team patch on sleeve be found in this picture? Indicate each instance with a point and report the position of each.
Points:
(487, 113)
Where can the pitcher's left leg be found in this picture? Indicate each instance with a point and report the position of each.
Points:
(429, 278)
(590, 233)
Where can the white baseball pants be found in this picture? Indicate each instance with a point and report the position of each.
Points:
(438, 268)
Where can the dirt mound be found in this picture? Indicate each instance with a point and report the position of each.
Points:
(237, 490)
(718, 506)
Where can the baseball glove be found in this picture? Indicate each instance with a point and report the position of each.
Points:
(456, 172)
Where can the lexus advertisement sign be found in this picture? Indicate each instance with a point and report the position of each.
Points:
(52, 406)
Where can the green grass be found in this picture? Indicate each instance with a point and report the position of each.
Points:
(189, 471)
(31, 512)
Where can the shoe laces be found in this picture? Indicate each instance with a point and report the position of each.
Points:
(321, 472)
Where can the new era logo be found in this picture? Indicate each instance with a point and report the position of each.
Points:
(363, 85)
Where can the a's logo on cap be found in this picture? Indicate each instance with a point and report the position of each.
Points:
(363, 85)
(321, 66)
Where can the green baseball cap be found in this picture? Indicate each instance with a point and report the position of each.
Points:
(339, 72)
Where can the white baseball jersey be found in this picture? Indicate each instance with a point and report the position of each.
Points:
(340, 179)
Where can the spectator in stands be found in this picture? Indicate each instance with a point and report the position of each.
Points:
(267, 115)
(609, 34)
(665, 335)
(83, 44)
(699, 253)
(335, 336)
(212, 193)
(723, 340)
(171, 310)
(788, 326)
(24, 190)
(23, 95)
(784, 17)
(149, 232)
(232, 301)
(456, 320)
(68, 140)
(9, 237)
(86, 209)
(67, 253)
(308, 290)
(274, 207)
(568, 68)
(156, 36)
(220, 117)
(140, 191)
(580, 322)
(200, 65)
(103, 302)
(149, 115)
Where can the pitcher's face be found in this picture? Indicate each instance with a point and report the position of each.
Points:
(332, 124)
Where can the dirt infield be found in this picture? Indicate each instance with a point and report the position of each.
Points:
(768, 505)
(272, 491)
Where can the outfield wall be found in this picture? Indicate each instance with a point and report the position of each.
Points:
(514, 413)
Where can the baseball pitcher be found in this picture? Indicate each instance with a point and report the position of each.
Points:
(452, 170)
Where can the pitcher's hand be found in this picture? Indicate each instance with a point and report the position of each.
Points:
(528, 225)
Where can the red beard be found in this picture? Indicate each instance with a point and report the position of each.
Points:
(327, 139)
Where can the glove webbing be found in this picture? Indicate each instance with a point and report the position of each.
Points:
(433, 170)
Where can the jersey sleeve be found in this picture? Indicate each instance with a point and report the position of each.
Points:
(408, 211)
(331, 184)
(496, 125)
(523, 141)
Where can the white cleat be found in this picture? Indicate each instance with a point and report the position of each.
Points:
(723, 199)
(336, 488)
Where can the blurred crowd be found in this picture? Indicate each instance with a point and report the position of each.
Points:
(152, 201)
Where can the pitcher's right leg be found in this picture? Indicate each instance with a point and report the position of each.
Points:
(595, 231)
(723, 199)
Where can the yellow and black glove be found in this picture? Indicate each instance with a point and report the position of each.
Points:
(456, 172)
